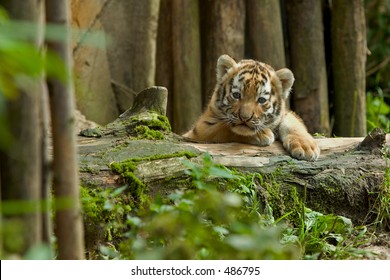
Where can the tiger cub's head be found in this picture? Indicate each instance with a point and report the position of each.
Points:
(250, 95)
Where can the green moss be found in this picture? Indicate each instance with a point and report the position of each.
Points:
(294, 204)
(283, 198)
(153, 121)
(331, 191)
(148, 125)
(274, 196)
(186, 154)
(103, 212)
(126, 170)
(381, 205)
(145, 132)
(269, 194)
(92, 206)
(89, 169)
(91, 132)
(145, 125)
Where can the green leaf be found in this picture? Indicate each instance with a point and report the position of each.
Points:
(39, 252)
(108, 205)
(221, 230)
(241, 242)
(108, 252)
(220, 172)
(232, 199)
(118, 191)
(135, 221)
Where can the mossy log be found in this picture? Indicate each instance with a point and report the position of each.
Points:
(344, 180)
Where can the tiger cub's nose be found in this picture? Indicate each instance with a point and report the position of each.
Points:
(245, 116)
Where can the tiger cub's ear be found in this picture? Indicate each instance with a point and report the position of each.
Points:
(287, 79)
(224, 63)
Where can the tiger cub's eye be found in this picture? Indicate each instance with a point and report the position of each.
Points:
(261, 100)
(236, 95)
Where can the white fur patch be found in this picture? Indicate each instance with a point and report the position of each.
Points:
(267, 87)
(237, 83)
(261, 91)
(270, 110)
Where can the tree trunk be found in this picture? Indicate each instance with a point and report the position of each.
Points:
(21, 163)
(47, 229)
(1, 220)
(265, 32)
(150, 99)
(307, 56)
(68, 219)
(95, 97)
(132, 55)
(349, 58)
(187, 92)
(164, 56)
(222, 26)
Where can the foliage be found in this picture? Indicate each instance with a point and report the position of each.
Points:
(378, 111)
(378, 64)
(22, 65)
(206, 222)
(326, 236)
(378, 41)
(226, 216)
(383, 216)
(381, 205)
(24, 61)
(104, 211)
(126, 170)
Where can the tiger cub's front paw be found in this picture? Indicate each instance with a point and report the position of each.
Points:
(302, 147)
(266, 137)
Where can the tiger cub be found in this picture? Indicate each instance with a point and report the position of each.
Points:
(249, 106)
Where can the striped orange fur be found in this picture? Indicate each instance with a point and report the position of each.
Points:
(248, 105)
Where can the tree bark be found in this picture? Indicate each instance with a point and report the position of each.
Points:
(222, 26)
(307, 56)
(95, 97)
(265, 32)
(150, 99)
(164, 56)
(21, 163)
(349, 58)
(68, 219)
(187, 92)
(1, 220)
(47, 228)
(132, 55)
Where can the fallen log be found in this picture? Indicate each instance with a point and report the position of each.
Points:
(345, 180)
